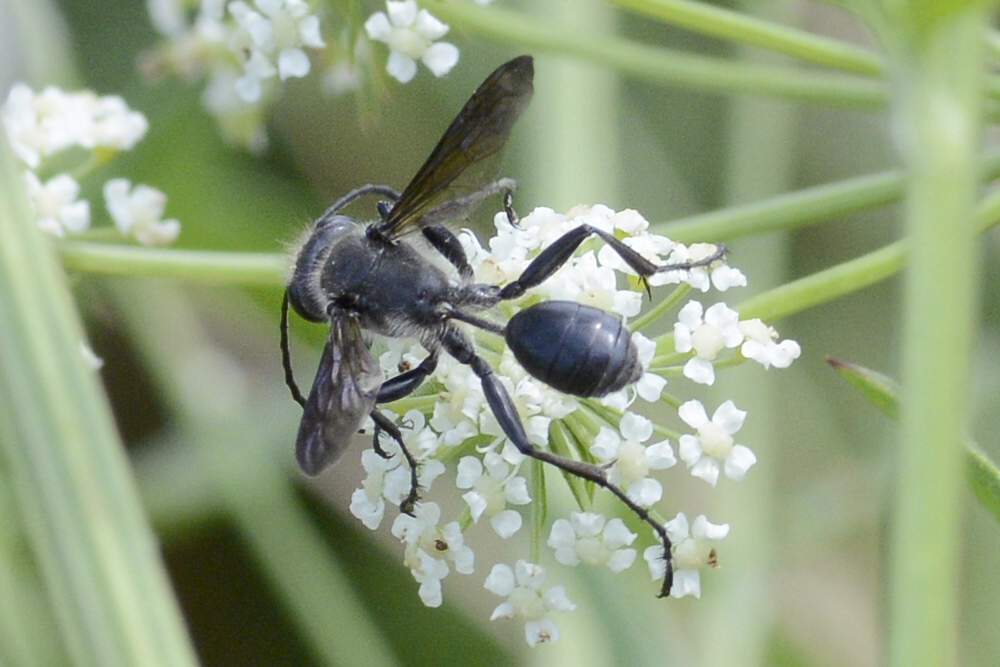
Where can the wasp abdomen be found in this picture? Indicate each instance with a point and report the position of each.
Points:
(574, 348)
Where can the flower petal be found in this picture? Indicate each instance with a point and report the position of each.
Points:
(440, 58)
(401, 68)
(707, 469)
(738, 462)
(617, 535)
(555, 599)
(729, 417)
(470, 469)
(635, 427)
(703, 529)
(430, 27)
(506, 523)
(378, 27)
(402, 14)
(500, 581)
(693, 414)
(621, 560)
(700, 371)
(660, 456)
(292, 63)
(686, 582)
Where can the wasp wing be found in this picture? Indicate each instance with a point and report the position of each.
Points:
(342, 395)
(477, 134)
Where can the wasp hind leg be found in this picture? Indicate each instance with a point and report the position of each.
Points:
(460, 347)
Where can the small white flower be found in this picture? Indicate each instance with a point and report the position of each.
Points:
(137, 212)
(588, 537)
(714, 444)
(491, 492)
(631, 461)
(692, 550)
(708, 336)
(427, 543)
(57, 209)
(410, 35)
(522, 587)
(761, 345)
(270, 40)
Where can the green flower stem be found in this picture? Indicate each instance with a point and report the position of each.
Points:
(662, 307)
(801, 208)
(788, 211)
(563, 442)
(658, 64)
(939, 121)
(714, 21)
(203, 266)
(539, 509)
(79, 507)
(837, 281)
(847, 277)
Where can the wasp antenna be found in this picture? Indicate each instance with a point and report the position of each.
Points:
(286, 354)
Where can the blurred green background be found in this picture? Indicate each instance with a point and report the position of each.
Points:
(260, 558)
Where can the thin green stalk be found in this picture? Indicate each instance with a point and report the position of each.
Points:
(802, 207)
(662, 307)
(714, 21)
(204, 266)
(97, 554)
(658, 64)
(939, 121)
(539, 509)
(848, 277)
(787, 211)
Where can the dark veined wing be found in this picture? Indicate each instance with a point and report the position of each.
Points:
(478, 133)
(342, 395)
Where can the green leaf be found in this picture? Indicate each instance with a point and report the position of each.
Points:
(79, 507)
(882, 391)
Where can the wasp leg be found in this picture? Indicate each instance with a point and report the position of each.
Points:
(446, 243)
(456, 208)
(406, 383)
(553, 257)
(369, 189)
(460, 347)
(383, 423)
(394, 389)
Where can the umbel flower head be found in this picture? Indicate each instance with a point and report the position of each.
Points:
(451, 430)
(55, 124)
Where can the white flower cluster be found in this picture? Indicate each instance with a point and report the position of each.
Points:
(455, 427)
(44, 126)
(247, 49)
(244, 49)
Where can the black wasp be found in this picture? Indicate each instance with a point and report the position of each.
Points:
(372, 277)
